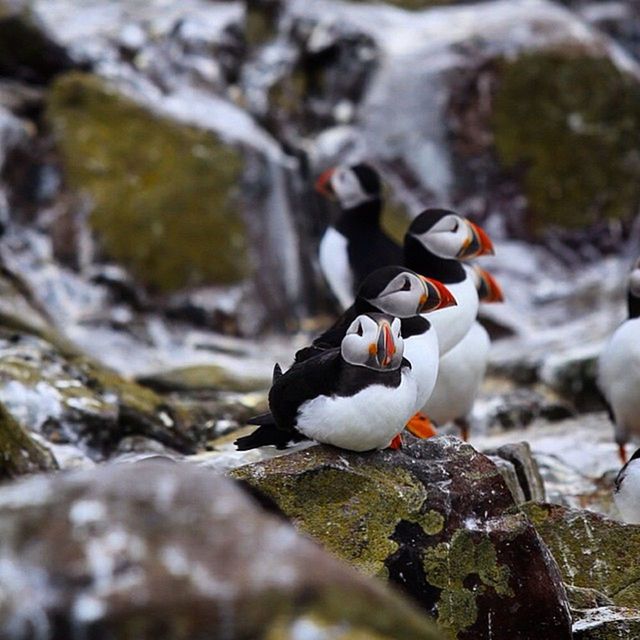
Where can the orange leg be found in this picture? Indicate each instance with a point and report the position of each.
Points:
(396, 443)
(622, 452)
(463, 425)
(421, 427)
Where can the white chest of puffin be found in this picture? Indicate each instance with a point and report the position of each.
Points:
(463, 368)
(355, 245)
(434, 246)
(402, 293)
(357, 397)
(627, 490)
(619, 370)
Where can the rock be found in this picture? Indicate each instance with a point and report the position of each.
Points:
(592, 551)
(27, 51)
(607, 623)
(433, 518)
(69, 399)
(20, 454)
(526, 469)
(161, 191)
(168, 551)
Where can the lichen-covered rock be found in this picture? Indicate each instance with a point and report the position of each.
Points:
(525, 467)
(607, 623)
(161, 192)
(583, 108)
(168, 551)
(19, 452)
(68, 398)
(433, 519)
(592, 551)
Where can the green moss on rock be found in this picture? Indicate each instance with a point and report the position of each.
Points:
(572, 122)
(161, 191)
(19, 453)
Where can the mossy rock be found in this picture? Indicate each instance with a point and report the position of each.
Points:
(434, 519)
(161, 192)
(571, 123)
(592, 552)
(19, 453)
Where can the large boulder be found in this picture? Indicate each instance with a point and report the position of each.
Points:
(161, 193)
(168, 551)
(435, 519)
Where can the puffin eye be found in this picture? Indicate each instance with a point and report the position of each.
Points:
(406, 285)
(456, 226)
(359, 330)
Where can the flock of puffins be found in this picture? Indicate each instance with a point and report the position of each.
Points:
(408, 350)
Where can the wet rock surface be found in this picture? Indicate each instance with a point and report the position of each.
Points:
(434, 519)
(144, 551)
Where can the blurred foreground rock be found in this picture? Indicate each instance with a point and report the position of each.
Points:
(166, 551)
(598, 559)
(435, 518)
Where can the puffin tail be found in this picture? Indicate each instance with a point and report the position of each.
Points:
(267, 434)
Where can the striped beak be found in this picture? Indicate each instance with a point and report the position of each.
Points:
(436, 296)
(323, 183)
(488, 288)
(386, 345)
(477, 243)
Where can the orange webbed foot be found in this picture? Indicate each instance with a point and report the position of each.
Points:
(421, 427)
(396, 443)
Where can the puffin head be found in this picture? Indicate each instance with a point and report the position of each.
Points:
(351, 185)
(373, 341)
(403, 293)
(448, 235)
(488, 288)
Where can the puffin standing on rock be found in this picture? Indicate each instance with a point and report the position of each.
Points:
(357, 397)
(462, 369)
(627, 490)
(355, 245)
(434, 245)
(619, 370)
(400, 292)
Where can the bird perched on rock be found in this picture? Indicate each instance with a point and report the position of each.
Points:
(402, 293)
(355, 245)
(462, 369)
(627, 490)
(619, 370)
(358, 396)
(434, 246)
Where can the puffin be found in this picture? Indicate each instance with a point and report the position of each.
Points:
(355, 245)
(357, 396)
(462, 369)
(619, 370)
(626, 494)
(410, 297)
(434, 246)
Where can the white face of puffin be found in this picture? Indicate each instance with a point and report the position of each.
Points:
(409, 294)
(634, 280)
(347, 188)
(374, 341)
(455, 237)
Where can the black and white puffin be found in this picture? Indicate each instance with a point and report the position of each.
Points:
(462, 369)
(355, 245)
(619, 370)
(357, 397)
(627, 490)
(434, 246)
(400, 292)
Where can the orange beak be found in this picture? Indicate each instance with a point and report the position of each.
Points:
(386, 346)
(478, 243)
(437, 297)
(323, 183)
(489, 289)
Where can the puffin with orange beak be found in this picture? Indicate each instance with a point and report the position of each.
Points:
(435, 245)
(355, 245)
(463, 368)
(357, 396)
